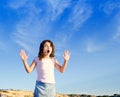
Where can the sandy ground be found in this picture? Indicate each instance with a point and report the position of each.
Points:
(15, 93)
(22, 93)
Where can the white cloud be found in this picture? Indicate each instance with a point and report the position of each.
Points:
(62, 38)
(92, 47)
(80, 13)
(61, 42)
(27, 33)
(35, 22)
(15, 4)
(23, 44)
(110, 6)
(116, 37)
(58, 7)
(31, 27)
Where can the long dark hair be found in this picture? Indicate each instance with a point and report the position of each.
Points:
(40, 53)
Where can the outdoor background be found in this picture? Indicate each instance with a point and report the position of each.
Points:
(89, 29)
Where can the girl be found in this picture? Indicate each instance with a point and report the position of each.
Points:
(44, 64)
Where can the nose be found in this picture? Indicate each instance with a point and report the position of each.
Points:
(48, 47)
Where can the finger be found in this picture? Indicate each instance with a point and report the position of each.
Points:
(21, 52)
(66, 52)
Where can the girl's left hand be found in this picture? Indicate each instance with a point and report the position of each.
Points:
(66, 55)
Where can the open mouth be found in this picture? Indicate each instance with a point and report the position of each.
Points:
(48, 51)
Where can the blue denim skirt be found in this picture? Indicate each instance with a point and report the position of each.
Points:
(44, 89)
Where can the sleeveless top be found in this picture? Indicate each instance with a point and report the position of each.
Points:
(45, 70)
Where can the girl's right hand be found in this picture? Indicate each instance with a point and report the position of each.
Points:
(23, 55)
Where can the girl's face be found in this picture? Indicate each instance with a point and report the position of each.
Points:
(47, 48)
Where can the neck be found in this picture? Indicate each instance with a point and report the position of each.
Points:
(46, 57)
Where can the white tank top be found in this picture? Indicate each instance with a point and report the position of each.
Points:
(45, 70)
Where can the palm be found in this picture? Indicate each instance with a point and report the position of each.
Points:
(23, 55)
(66, 55)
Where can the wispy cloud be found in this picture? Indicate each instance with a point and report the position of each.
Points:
(35, 22)
(92, 46)
(28, 32)
(110, 6)
(62, 38)
(30, 28)
(58, 7)
(15, 4)
(80, 13)
(117, 35)
(116, 30)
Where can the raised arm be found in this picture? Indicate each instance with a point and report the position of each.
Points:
(24, 58)
(66, 57)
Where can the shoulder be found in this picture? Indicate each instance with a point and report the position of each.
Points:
(36, 59)
(54, 59)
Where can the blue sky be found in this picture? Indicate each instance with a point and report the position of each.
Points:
(89, 29)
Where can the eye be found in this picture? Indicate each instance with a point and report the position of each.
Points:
(45, 46)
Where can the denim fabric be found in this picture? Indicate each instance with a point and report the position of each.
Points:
(44, 89)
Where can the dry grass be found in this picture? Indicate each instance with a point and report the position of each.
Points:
(15, 93)
(22, 93)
